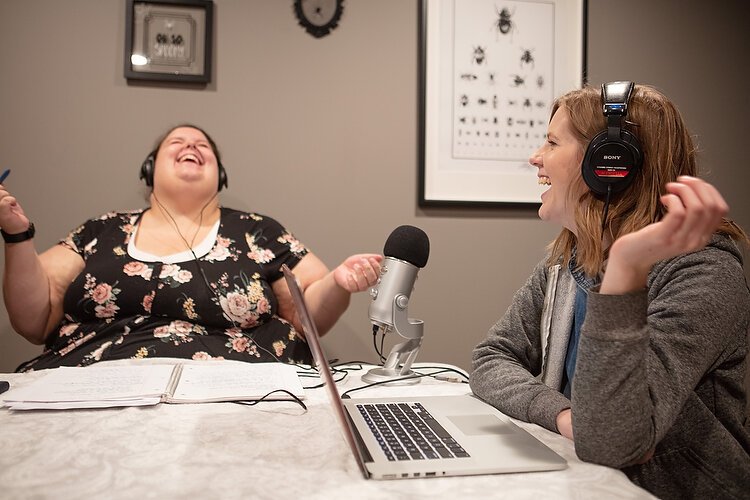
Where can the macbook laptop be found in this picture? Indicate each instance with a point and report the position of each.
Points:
(428, 436)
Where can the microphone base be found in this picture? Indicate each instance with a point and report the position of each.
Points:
(391, 376)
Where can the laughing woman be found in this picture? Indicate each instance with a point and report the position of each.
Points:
(184, 278)
(630, 338)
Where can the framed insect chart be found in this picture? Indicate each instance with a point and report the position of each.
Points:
(489, 72)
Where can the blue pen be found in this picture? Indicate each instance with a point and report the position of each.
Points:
(5, 174)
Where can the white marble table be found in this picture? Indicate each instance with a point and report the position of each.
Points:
(226, 450)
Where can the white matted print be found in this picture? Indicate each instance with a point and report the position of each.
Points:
(490, 70)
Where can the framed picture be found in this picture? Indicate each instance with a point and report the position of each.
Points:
(168, 40)
(489, 72)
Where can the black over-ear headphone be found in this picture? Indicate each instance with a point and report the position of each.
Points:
(147, 172)
(613, 157)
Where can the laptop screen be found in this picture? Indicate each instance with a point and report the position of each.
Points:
(324, 369)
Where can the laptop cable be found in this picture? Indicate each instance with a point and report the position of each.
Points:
(263, 399)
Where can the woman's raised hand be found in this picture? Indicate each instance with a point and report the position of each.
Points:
(12, 218)
(358, 272)
(694, 211)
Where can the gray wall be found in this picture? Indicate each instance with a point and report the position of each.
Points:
(309, 128)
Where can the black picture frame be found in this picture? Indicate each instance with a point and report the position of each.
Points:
(169, 40)
(452, 174)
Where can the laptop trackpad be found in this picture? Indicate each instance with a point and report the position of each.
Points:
(473, 425)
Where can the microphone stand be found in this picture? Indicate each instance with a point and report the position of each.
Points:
(402, 355)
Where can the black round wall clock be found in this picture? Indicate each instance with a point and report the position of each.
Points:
(318, 17)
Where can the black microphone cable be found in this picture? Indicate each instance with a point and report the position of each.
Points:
(441, 369)
(378, 351)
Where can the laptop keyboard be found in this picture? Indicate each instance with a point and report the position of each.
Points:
(406, 431)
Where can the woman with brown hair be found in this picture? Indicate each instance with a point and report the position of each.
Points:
(630, 338)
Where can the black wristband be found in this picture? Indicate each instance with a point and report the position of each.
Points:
(19, 237)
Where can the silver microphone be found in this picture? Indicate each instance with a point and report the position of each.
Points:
(406, 251)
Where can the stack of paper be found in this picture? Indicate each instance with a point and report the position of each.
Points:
(108, 386)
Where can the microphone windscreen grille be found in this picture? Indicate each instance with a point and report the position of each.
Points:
(408, 243)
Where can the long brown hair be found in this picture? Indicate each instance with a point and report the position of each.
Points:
(668, 152)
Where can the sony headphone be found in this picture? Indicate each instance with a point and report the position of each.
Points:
(613, 157)
(147, 171)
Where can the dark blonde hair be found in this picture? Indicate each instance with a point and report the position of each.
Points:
(668, 152)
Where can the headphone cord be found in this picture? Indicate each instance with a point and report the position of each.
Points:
(174, 222)
(606, 208)
(200, 268)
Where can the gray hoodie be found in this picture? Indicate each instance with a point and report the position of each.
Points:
(658, 370)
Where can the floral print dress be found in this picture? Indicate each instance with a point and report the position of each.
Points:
(216, 305)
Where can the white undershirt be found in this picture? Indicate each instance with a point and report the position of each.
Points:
(200, 249)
